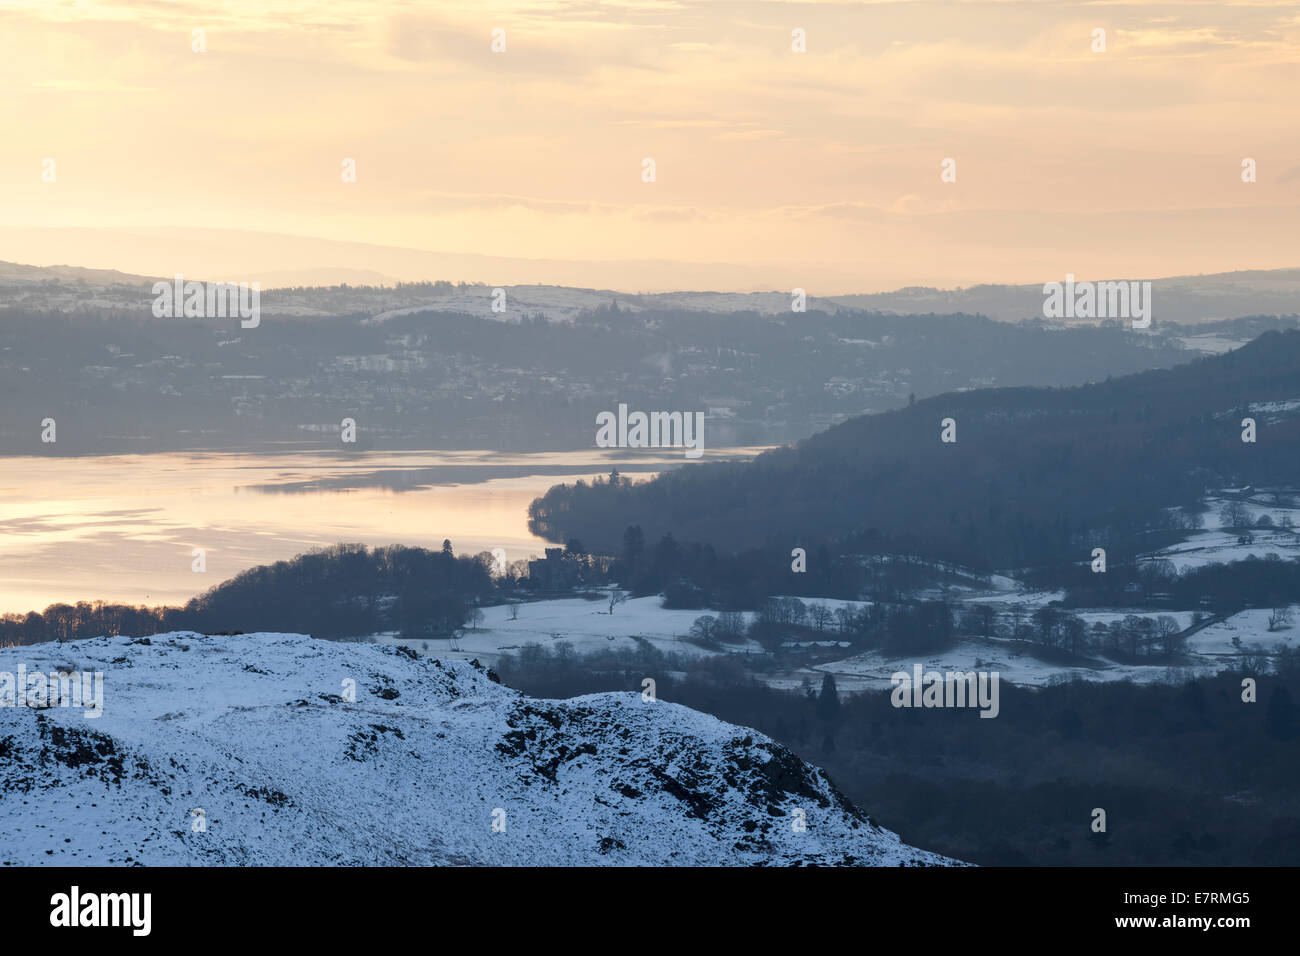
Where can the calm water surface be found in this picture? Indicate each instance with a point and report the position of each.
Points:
(122, 528)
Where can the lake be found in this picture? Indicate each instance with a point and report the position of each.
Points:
(123, 528)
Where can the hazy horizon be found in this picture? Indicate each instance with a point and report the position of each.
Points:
(820, 169)
(47, 249)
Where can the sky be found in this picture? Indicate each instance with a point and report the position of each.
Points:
(773, 168)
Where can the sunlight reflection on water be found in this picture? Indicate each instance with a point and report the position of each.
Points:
(121, 528)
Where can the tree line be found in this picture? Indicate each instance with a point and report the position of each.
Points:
(345, 590)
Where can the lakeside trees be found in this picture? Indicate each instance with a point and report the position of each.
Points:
(341, 591)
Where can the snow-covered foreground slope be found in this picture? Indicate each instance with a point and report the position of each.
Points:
(251, 731)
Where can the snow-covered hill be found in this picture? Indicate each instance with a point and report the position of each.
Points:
(241, 750)
(68, 289)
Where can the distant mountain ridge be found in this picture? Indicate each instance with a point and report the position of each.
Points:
(1181, 299)
(1176, 299)
(73, 289)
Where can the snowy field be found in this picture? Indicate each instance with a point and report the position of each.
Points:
(1027, 600)
(872, 670)
(1251, 628)
(1222, 547)
(1210, 650)
(587, 626)
(1215, 544)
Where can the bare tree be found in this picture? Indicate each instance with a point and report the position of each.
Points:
(797, 610)
(704, 627)
(1074, 633)
(731, 626)
(1169, 633)
(1234, 514)
(1280, 618)
(1255, 660)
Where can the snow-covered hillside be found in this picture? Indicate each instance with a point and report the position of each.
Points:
(64, 289)
(1215, 543)
(250, 736)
